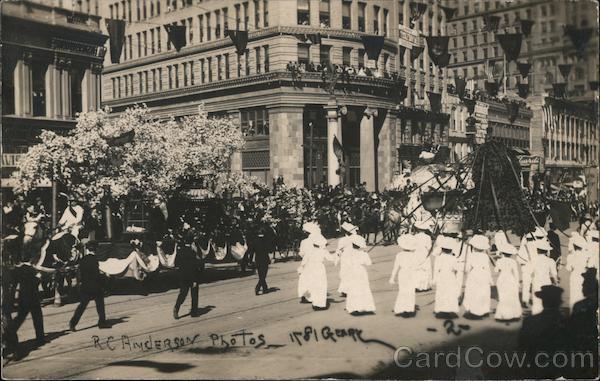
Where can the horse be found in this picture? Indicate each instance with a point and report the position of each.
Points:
(33, 239)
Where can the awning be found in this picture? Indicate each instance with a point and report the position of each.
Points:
(520, 151)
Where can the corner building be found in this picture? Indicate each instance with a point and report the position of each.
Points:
(282, 115)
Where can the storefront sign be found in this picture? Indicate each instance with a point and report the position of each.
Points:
(526, 161)
(11, 160)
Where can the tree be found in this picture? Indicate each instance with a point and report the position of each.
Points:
(160, 159)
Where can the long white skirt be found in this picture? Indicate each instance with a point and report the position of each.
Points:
(424, 273)
(446, 298)
(360, 297)
(405, 300)
(477, 293)
(509, 305)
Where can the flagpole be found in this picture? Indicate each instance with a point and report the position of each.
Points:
(504, 79)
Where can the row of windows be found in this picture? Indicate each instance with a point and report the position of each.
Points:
(144, 8)
(190, 73)
(380, 16)
(200, 28)
(325, 56)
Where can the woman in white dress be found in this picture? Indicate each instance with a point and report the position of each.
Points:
(404, 271)
(359, 299)
(444, 279)
(344, 259)
(422, 252)
(313, 277)
(544, 273)
(477, 299)
(509, 304)
(576, 264)
(306, 246)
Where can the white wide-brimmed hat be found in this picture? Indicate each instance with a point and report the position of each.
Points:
(359, 241)
(311, 227)
(318, 240)
(480, 242)
(540, 232)
(446, 243)
(407, 242)
(577, 240)
(592, 235)
(347, 226)
(506, 248)
(543, 244)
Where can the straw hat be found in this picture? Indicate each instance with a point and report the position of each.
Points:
(506, 248)
(540, 233)
(446, 243)
(407, 242)
(311, 227)
(543, 244)
(577, 240)
(318, 240)
(480, 242)
(359, 241)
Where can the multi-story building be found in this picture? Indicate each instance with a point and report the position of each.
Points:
(51, 70)
(475, 48)
(290, 118)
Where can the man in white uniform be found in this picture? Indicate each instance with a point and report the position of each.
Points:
(71, 220)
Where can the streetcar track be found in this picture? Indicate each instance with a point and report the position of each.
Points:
(184, 324)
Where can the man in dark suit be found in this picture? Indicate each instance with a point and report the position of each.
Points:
(90, 287)
(29, 301)
(263, 244)
(187, 267)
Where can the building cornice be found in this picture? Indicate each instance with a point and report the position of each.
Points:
(254, 35)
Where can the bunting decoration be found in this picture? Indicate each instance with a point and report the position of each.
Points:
(491, 22)
(461, 85)
(116, 33)
(594, 85)
(122, 139)
(565, 70)
(511, 44)
(443, 60)
(239, 39)
(449, 12)
(176, 34)
(338, 150)
(513, 111)
(524, 68)
(526, 26)
(579, 37)
(437, 46)
(470, 103)
(415, 52)
(492, 87)
(373, 45)
(523, 90)
(435, 100)
(559, 89)
(417, 10)
(401, 52)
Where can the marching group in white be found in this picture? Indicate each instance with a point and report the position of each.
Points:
(448, 263)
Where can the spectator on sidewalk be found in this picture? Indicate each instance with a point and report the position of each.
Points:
(26, 279)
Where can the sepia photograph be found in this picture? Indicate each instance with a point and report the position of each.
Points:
(299, 189)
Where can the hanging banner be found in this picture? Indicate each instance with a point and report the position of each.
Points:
(513, 111)
(511, 44)
(565, 70)
(401, 52)
(373, 45)
(523, 90)
(524, 68)
(491, 23)
(470, 103)
(437, 47)
(116, 33)
(417, 10)
(176, 34)
(240, 40)
(443, 60)
(526, 26)
(559, 89)
(449, 12)
(579, 37)
(460, 85)
(492, 87)
(435, 100)
(415, 52)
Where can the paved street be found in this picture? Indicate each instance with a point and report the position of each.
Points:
(145, 341)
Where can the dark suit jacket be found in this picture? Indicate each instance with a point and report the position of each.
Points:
(555, 243)
(157, 224)
(91, 279)
(25, 276)
(263, 243)
(187, 264)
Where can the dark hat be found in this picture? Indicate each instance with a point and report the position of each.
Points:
(549, 292)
